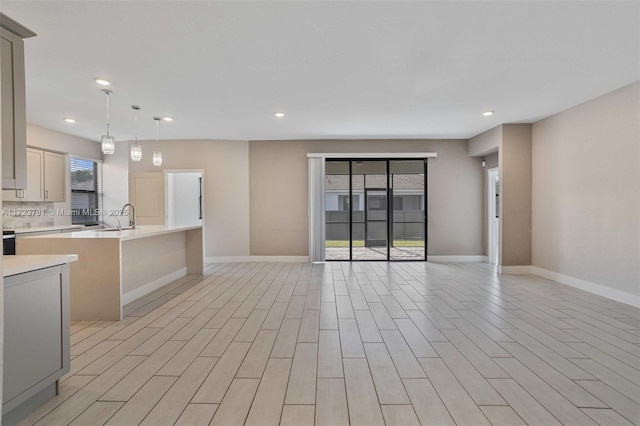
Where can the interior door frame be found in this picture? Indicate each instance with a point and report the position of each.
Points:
(202, 196)
(493, 247)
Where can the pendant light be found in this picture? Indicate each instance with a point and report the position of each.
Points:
(136, 150)
(157, 154)
(107, 141)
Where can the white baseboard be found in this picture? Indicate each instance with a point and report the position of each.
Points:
(454, 258)
(151, 286)
(588, 286)
(515, 270)
(591, 287)
(240, 259)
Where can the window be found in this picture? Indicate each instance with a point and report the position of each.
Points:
(343, 202)
(397, 203)
(85, 191)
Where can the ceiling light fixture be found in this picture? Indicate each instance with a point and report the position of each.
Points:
(487, 113)
(107, 141)
(136, 150)
(157, 154)
(279, 114)
(102, 81)
(168, 119)
(70, 120)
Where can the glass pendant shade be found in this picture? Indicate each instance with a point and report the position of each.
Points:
(157, 158)
(107, 141)
(108, 144)
(136, 152)
(157, 154)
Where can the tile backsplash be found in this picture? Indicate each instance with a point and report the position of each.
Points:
(22, 214)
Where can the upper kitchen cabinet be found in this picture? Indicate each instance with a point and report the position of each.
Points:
(34, 189)
(55, 173)
(46, 178)
(13, 125)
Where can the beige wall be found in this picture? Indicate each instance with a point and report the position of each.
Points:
(115, 182)
(279, 193)
(226, 187)
(44, 138)
(485, 143)
(515, 195)
(586, 191)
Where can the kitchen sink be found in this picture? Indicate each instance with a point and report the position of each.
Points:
(124, 228)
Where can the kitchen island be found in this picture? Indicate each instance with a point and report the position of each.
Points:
(117, 267)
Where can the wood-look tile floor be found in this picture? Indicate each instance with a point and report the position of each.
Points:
(355, 343)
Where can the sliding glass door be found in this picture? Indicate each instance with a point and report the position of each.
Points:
(409, 209)
(375, 209)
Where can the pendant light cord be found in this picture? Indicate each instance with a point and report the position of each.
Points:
(108, 93)
(135, 125)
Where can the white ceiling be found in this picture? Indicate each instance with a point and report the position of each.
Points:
(337, 69)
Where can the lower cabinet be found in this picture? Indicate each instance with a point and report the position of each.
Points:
(36, 339)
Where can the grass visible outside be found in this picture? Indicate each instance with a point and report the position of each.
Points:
(343, 243)
(408, 243)
(360, 243)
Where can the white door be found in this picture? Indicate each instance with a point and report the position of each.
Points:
(184, 198)
(493, 203)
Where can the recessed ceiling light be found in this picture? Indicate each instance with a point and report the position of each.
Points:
(69, 120)
(487, 113)
(168, 119)
(102, 81)
(279, 114)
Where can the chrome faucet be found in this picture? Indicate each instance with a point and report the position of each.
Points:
(132, 216)
(118, 219)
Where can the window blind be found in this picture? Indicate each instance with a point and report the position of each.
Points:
(85, 191)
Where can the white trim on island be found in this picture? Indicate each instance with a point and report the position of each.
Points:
(152, 286)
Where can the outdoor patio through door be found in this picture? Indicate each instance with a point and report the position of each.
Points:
(375, 209)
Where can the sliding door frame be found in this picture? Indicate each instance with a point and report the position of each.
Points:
(316, 194)
(389, 191)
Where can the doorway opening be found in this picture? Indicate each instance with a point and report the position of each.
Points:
(184, 198)
(493, 215)
(375, 209)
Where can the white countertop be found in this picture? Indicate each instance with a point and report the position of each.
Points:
(44, 228)
(19, 264)
(142, 231)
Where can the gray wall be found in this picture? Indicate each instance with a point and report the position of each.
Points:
(485, 143)
(278, 191)
(515, 195)
(586, 191)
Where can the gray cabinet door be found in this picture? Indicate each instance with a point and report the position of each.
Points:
(36, 333)
(13, 111)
